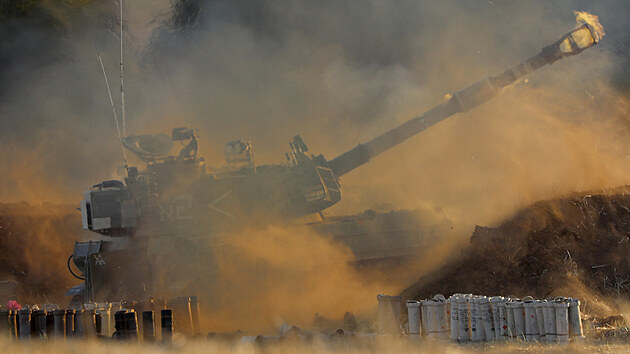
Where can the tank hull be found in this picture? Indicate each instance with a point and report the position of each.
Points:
(167, 267)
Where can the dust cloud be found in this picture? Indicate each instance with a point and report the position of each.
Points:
(35, 242)
(267, 277)
(339, 73)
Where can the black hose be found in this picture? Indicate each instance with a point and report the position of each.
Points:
(70, 269)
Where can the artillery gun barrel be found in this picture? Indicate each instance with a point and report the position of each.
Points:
(573, 42)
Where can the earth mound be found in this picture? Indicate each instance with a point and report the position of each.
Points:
(574, 246)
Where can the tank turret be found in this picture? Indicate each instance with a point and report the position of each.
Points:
(176, 190)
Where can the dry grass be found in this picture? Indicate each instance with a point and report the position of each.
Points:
(378, 345)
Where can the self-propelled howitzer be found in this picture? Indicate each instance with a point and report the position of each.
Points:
(180, 198)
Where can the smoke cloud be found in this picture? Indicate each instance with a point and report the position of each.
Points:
(338, 73)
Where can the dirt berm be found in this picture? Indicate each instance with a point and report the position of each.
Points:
(575, 246)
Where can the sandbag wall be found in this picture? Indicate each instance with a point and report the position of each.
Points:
(475, 318)
(120, 320)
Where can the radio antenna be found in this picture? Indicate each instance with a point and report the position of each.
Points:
(122, 91)
(109, 91)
